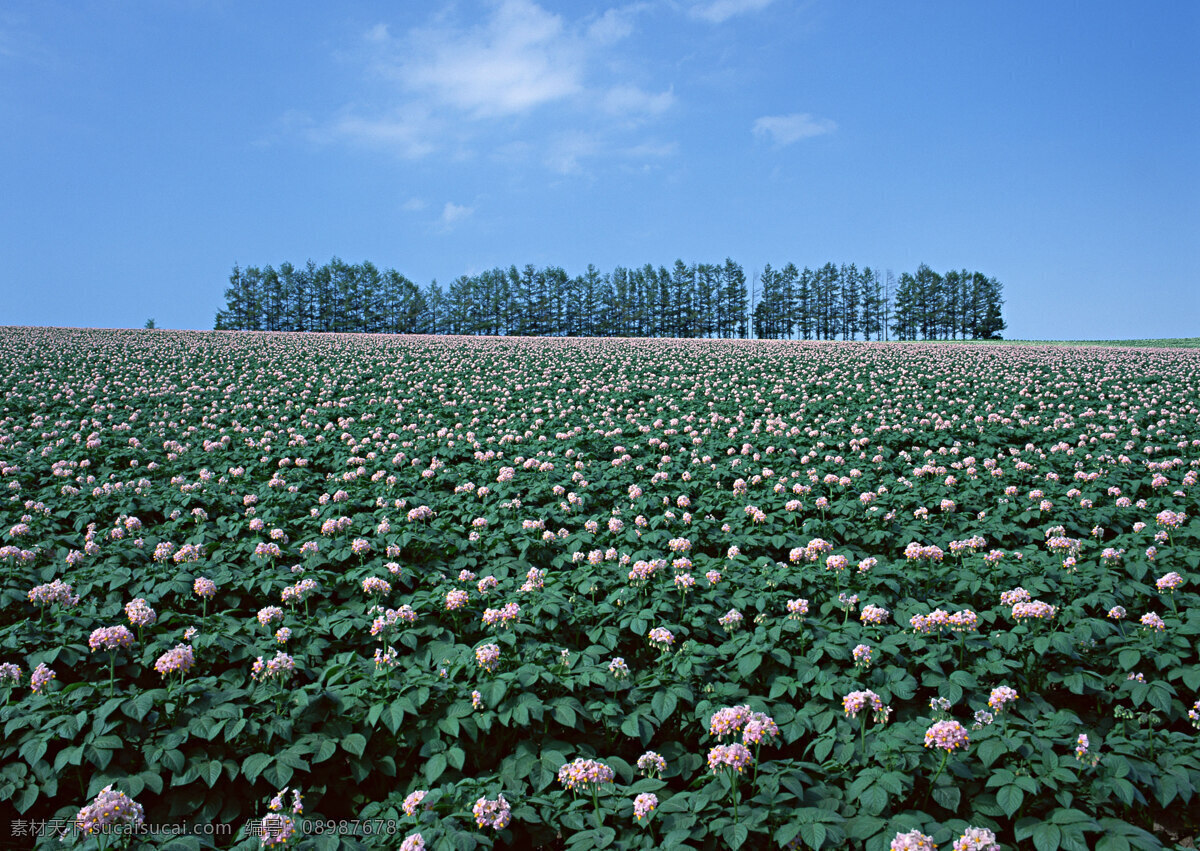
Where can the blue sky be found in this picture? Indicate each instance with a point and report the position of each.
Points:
(149, 146)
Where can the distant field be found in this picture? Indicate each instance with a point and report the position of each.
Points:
(1163, 343)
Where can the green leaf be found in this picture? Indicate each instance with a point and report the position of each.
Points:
(1047, 837)
(814, 834)
(748, 664)
(25, 800)
(326, 749)
(564, 714)
(874, 800)
(990, 750)
(253, 765)
(213, 773)
(355, 743)
(456, 757)
(279, 774)
(434, 767)
(663, 704)
(1010, 799)
(1129, 658)
(787, 833)
(948, 797)
(736, 835)
(1191, 678)
(33, 751)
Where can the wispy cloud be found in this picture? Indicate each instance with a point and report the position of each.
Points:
(410, 133)
(521, 76)
(614, 24)
(21, 43)
(786, 129)
(719, 11)
(453, 213)
(569, 153)
(631, 101)
(520, 58)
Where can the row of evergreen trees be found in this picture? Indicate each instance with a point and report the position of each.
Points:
(845, 303)
(698, 300)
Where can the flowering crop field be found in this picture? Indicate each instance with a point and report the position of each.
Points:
(412, 592)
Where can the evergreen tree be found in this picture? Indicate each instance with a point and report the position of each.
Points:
(872, 314)
(787, 282)
(993, 323)
(851, 291)
(906, 318)
(734, 298)
(804, 304)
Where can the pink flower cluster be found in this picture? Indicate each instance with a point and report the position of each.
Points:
(1033, 609)
(661, 638)
(736, 756)
(404, 614)
(375, 585)
(917, 552)
(947, 735)
(872, 614)
(1001, 697)
(108, 809)
(1151, 621)
(179, 659)
(857, 701)
(797, 609)
(494, 814)
(643, 804)
(914, 840)
(280, 667)
(1169, 583)
(585, 774)
(505, 616)
(413, 801)
(976, 839)
(110, 638)
(651, 764)
(53, 592)
(41, 675)
(269, 615)
(139, 612)
(862, 656)
(488, 657)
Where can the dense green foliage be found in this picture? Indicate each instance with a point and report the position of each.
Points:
(700, 300)
(606, 489)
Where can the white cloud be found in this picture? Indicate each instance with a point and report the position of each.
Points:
(453, 213)
(378, 34)
(414, 205)
(569, 151)
(408, 133)
(614, 25)
(631, 101)
(566, 150)
(786, 129)
(719, 11)
(651, 150)
(520, 58)
(520, 83)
